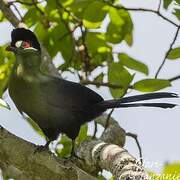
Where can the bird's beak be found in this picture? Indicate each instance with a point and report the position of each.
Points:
(10, 48)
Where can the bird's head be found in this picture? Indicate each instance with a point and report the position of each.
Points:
(23, 41)
(25, 46)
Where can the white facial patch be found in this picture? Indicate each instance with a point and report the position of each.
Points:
(31, 48)
(18, 44)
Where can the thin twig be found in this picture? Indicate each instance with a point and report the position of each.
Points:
(67, 11)
(143, 10)
(159, 6)
(70, 32)
(85, 54)
(174, 78)
(134, 136)
(167, 53)
(95, 130)
(37, 7)
(96, 83)
(26, 3)
(9, 14)
(108, 118)
(17, 10)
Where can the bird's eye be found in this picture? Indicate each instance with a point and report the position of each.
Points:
(18, 44)
(26, 44)
(23, 44)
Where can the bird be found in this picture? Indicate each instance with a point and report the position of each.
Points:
(55, 104)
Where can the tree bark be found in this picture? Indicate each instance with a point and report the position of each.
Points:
(19, 160)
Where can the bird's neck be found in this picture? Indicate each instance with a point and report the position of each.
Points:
(27, 67)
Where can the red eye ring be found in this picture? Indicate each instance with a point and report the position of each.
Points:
(26, 44)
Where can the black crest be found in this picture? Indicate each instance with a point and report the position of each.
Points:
(24, 35)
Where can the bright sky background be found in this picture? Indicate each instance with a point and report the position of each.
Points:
(157, 129)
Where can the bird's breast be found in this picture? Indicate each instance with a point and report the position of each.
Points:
(27, 96)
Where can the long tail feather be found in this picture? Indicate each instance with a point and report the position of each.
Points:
(160, 105)
(148, 96)
(118, 103)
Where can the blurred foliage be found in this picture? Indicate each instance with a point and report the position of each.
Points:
(170, 172)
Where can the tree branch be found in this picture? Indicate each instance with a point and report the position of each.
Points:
(96, 83)
(135, 137)
(9, 14)
(174, 78)
(17, 156)
(159, 6)
(167, 53)
(107, 153)
(157, 12)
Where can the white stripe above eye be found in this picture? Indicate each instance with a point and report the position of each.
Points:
(31, 48)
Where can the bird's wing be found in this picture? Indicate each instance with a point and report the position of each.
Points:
(69, 95)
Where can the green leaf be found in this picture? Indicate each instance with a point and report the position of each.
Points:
(132, 63)
(174, 53)
(120, 26)
(99, 78)
(1, 16)
(60, 40)
(96, 43)
(40, 31)
(66, 2)
(5, 71)
(6, 64)
(150, 85)
(35, 126)
(94, 14)
(82, 134)
(32, 16)
(67, 146)
(79, 6)
(101, 177)
(98, 49)
(167, 3)
(118, 75)
(177, 13)
(4, 104)
(129, 39)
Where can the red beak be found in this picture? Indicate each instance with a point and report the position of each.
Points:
(10, 48)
